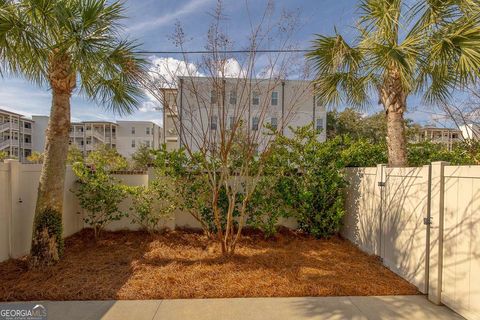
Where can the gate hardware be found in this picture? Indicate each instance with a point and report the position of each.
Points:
(381, 184)
(427, 221)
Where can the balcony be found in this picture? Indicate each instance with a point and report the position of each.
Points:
(27, 131)
(5, 126)
(98, 135)
(27, 145)
(8, 142)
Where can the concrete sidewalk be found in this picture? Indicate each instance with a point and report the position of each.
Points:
(392, 307)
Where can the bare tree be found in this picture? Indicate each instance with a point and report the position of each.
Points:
(465, 115)
(230, 106)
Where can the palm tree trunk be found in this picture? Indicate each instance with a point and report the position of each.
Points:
(394, 101)
(396, 140)
(47, 237)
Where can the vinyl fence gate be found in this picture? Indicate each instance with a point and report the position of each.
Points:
(425, 225)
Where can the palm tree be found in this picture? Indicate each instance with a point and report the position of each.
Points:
(430, 47)
(66, 44)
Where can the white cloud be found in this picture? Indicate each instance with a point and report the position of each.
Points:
(232, 69)
(149, 106)
(166, 70)
(167, 19)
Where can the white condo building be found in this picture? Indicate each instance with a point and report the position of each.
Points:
(194, 111)
(15, 135)
(125, 136)
(20, 136)
(470, 131)
(133, 134)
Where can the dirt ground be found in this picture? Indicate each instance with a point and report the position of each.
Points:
(180, 264)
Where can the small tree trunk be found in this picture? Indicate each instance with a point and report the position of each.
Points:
(47, 238)
(394, 101)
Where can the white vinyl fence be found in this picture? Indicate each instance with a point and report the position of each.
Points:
(424, 224)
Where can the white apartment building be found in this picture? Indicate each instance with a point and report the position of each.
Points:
(15, 135)
(196, 111)
(133, 134)
(445, 136)
(470, 131)
(88, 135)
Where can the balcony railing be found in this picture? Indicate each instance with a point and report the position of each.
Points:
(4, 126)
(9, 142)
(4, 144)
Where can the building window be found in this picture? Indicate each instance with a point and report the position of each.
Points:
(255, 98)
(274, 98)
(133, 130)
(255, 123)
(213, 122)
(274, 123)
(232, 122)
(319, 125)
(147, 131)
(213, 96)
(133, 143)
(233, 97)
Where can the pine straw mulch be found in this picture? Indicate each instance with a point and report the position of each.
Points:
(180, 264)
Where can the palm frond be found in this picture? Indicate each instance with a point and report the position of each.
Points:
(381, 18)
(453, 59)
(339, 69)
(20, 43)
(111, 77)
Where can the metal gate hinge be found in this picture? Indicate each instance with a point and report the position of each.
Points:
(381, 184)
(427, 221)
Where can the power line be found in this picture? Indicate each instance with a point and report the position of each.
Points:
(226, 51)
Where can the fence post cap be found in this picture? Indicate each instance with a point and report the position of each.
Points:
(440, 163)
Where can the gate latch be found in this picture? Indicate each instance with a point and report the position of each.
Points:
(427, 221)
(381, 184)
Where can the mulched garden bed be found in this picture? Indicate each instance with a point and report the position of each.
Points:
(181, 264)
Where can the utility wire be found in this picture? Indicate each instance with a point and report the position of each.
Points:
(226, 51)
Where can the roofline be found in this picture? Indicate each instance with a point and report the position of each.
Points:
(13, 113)
(237, 78)
(102, 122)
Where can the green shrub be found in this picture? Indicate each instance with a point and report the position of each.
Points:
(310, 182)
(266, 206)
(151, 205)
(100, 195)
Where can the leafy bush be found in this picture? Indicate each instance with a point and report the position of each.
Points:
(107, 159)
(462, 153)
(362, 153)
(100, 195)
(310, 180)
(74, 154)
(35, 157)
(143, 157)
(151, 204)
(267, 205)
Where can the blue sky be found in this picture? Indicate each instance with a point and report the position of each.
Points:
(152, 22)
